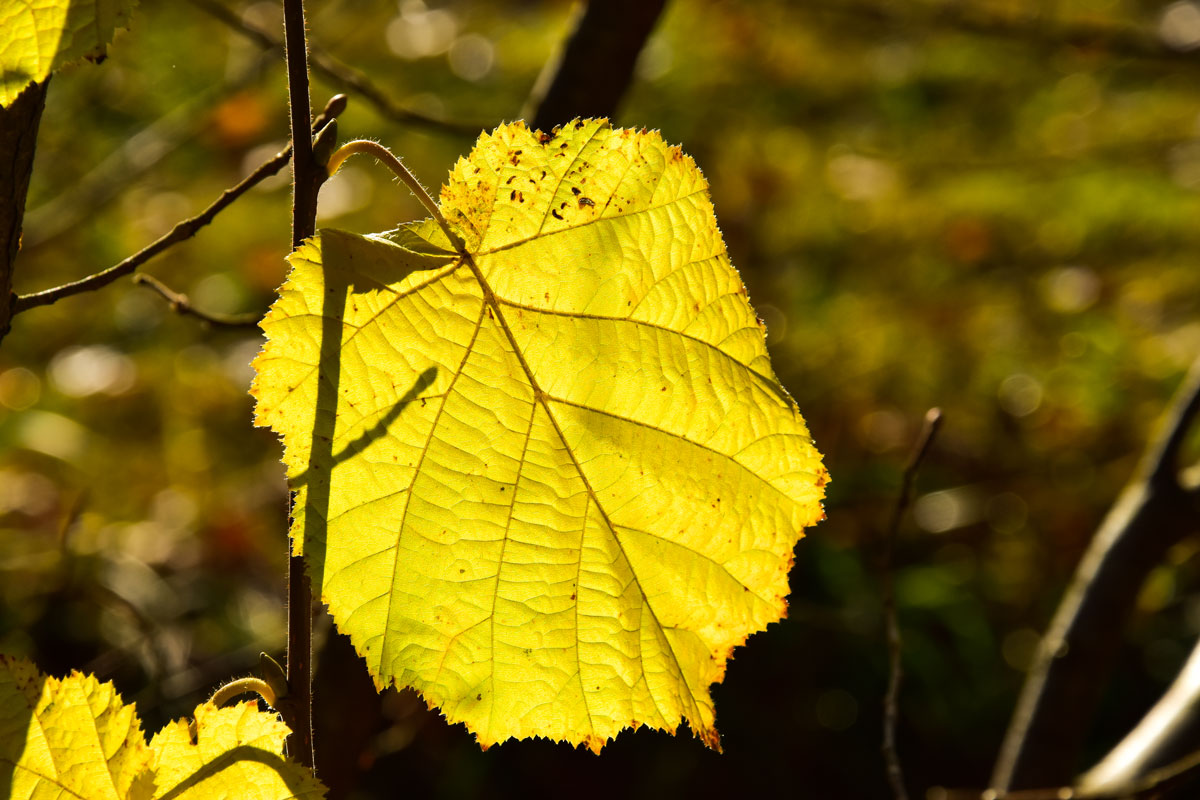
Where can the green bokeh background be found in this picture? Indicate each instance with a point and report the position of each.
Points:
(990, 219)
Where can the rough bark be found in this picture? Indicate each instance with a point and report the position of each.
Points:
(18, 138)
(596, 65)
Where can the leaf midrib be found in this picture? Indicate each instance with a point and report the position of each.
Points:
(541, 396)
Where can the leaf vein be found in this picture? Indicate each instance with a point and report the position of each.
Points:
(446, 272)
(597, 220)
(417, 473)
(500, 567)
(769, 384)
(540, 395)
(705, 556)
(673, 435)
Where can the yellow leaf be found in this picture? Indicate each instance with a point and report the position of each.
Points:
(550, 481)
(37, 38)
(235, 753)
(68, 738)
(75, 738)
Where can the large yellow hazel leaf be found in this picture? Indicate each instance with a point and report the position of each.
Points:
(545, 475)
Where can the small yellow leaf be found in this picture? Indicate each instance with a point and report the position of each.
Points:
(68, 738)
(550, 481)
(37, 38)
(75, 738)
(235, 753)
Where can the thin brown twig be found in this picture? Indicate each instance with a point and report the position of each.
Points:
(142, 150)
(933, 421)
(182, 304)
(340, 74)
(307, 176)
(183, 230)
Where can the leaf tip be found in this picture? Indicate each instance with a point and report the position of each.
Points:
(711, 738)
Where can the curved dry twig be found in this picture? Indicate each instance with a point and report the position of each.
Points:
(933, 422)
(1153, 512)
(1165, 733)
(142, 150)
(182, 304)
(183, 230)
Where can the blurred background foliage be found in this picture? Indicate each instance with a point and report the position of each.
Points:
(932, 203)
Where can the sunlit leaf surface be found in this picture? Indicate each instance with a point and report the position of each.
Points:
(551, 481)
(72, 737)
(75, 737)
(39, 36)
(234, 752)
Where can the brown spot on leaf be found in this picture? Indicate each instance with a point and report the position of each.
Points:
(556, 214)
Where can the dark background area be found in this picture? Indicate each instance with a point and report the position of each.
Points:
(969, 205)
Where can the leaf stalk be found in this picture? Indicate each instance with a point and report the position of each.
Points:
(244, 686)
(385, 157)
